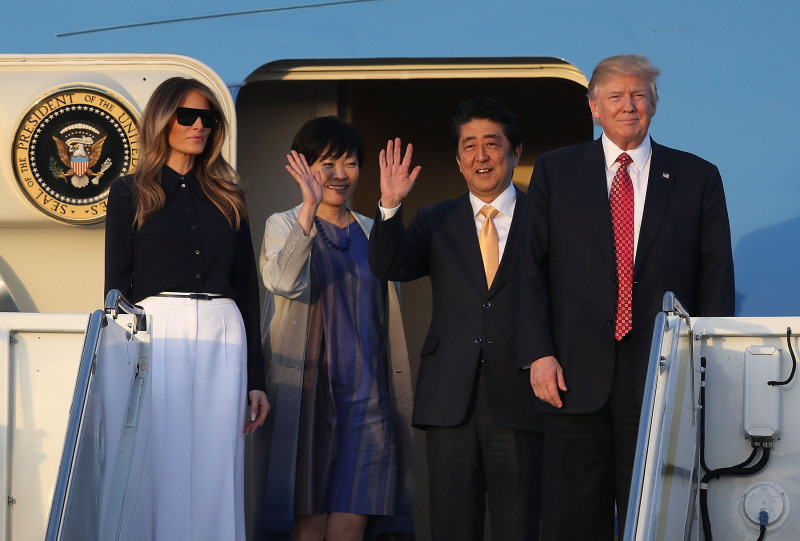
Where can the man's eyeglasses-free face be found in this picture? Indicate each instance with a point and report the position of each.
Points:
(187, 116)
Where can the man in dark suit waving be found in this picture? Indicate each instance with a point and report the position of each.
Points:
(475, 404)
(612, 225)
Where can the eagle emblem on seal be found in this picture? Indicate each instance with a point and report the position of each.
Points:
(80, 147)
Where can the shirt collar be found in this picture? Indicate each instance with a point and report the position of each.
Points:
(504, 203)
(171, 179)
(639, 155)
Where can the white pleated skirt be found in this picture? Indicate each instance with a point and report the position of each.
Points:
(199, 400)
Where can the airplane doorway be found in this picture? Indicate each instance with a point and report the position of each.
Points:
(413, 101)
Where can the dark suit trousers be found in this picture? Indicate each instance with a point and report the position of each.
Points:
(589, 462)
(479, 458)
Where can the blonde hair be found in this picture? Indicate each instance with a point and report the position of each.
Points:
(625, 64)
(218, 180)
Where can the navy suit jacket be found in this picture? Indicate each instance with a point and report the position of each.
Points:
(470, 322)
(567, 276)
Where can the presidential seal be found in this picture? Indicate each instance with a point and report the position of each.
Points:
(69, 146)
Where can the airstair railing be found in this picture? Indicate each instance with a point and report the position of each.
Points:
(115, 302)
(96, 323)
(670, 305)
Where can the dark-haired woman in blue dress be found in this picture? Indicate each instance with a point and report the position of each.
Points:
(333, 320)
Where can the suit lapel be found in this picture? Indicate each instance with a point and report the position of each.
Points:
(659, 189)
(509, 254)
(461, 229)
(594, 189)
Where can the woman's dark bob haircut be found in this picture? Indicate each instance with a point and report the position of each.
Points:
(328, 136)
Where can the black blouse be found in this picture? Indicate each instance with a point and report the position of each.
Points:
(187, 246)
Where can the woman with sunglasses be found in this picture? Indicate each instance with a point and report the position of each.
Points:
(178, 243)
(339, 365)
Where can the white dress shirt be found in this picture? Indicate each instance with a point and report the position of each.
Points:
(639, 171)
(504, 203)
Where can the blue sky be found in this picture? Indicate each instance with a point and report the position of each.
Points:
(728, 84)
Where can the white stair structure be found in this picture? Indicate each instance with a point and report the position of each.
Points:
(71, 408)
(722, 396)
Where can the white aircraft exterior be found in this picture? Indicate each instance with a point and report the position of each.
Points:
(399, 68)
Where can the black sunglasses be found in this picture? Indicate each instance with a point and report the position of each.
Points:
(186, 116)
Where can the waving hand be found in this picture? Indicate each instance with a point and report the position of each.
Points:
(310, 187)
(396, 181)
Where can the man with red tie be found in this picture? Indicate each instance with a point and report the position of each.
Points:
(612, 224)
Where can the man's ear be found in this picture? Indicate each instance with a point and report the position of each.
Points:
(593, 107)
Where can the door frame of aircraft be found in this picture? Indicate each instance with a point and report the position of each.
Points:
(414, 100)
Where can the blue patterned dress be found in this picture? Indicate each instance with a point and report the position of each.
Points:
(347, 460)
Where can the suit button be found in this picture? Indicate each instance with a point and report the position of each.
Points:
(487, 304)
(477, 340)
(613, 280)
(609, 321)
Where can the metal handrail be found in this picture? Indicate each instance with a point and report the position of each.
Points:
(671, 304)
(96, 323)
(645, 418)
(116, 301)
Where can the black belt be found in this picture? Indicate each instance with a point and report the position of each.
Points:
(194, 296)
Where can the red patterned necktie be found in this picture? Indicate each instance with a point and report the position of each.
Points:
(621, 201)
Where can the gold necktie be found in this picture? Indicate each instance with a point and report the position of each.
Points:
(490, 247)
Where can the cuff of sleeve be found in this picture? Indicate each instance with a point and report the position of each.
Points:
(387, 213)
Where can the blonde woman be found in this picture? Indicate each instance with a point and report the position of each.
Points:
(178, 243)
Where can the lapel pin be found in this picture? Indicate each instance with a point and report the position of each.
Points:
(665, 175)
